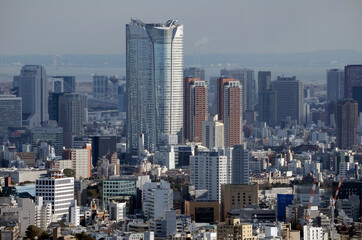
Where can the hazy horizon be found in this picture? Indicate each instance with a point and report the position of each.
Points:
(210, 27)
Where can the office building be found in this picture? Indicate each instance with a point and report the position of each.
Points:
(289, 98)
(357, 96)
(208, 171)
(213, 133)
(195, 72)
(122, 98)
(233, 228)
(220, 96)
(68, 83)
(125, 188)
(117, 211)
(53, 106)
(11, 114)
(32, 86)
(240, 165)
(154, 73)
(182, 155)
(72, 113)
(156, 198)
(346, 119)
(266, 99)
(113, 87)
(335, 85)
(283, 200)
(233, 116)
(236, 196)
(195, 108)
(352, 78)
(80, 161)
(59, 192)
(101, 145)
(203, 211)
(101, 86)
(50, 133)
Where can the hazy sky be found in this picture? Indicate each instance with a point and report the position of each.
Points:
(210, 26)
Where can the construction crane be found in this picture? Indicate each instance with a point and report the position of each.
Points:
(333, 202)
(307, 217)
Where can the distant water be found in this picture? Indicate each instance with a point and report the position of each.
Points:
(84, 74)
(30, 188)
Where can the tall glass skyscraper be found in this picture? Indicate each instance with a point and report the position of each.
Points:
(154, 79)
(32, 86)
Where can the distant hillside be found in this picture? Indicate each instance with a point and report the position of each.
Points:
(327, 58)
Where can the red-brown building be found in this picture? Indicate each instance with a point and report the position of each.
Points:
(232, 112)
(195, 108)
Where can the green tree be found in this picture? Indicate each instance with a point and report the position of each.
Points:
(83, 236)
(33, 231)
(69, 172)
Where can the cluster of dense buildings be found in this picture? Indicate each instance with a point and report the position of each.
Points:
(166, 154)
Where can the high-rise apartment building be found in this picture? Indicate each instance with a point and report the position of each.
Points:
(352, 78)
(59, 192)
(195, 72)
(32, 86)
(346, 119)
(247, 80)
(10, 109)
(213, 133)
(154, 74)
(335, 84)
(208, 171)
(289, 97)
(195, 108)
(80, 161)
(72, 113)
(240, 165)
(220, 96)
(233, 115)
(266, 99)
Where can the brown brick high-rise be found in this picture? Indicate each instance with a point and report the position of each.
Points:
(232, 113)
(195, 108)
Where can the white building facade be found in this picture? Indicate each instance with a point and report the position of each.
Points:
(59, 192)
(157, 197)
(208, 171)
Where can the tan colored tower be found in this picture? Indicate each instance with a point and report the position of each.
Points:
(235, 196)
